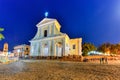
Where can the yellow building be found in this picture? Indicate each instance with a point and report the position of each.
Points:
(5, 49)
(75, 46)
(49, 41)
(21, 50)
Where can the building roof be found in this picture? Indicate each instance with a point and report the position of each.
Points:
(20, 46)
(46, 20)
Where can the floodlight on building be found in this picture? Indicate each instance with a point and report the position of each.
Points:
(9, 52)
(18, 50)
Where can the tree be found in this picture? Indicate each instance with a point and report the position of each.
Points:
(1, 35)
(86, 47)
(105, 47)
(115, 49)
(110, 48)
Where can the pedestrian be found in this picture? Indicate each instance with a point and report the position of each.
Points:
(102, 60)
(106, 60)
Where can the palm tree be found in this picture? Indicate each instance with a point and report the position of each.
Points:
(1, 35)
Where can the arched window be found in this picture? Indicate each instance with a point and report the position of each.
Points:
(45, 33)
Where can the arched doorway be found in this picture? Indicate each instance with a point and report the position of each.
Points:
(59, 49)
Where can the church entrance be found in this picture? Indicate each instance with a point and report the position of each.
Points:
(45, 51)
(59, 49)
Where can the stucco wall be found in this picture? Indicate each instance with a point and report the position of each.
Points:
(77, 43)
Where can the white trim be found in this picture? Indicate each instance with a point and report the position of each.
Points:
(48, 38)
(41, 25)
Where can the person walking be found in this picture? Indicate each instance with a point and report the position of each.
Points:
(106, 60)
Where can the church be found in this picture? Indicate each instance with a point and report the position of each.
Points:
(50, 42)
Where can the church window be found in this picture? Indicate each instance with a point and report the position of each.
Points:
(74, 46)
(45, 33)
(26, 48)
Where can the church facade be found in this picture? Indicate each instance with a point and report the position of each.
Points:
(50, 42)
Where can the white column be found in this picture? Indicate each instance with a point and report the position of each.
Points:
(32, 49)
(48, 30)
(53, 48)
(53, 29)
(37, 49)
(63, 41)
(41, 49)
(49, 48)
(39, 32)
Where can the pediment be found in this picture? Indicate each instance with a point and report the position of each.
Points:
(45, 20)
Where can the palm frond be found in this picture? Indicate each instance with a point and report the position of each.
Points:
(1, 36)
(1, 29)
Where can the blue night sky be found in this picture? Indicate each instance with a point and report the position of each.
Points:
(96, 21)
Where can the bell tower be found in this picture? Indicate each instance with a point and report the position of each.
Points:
(5, 48)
